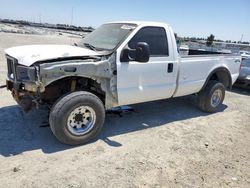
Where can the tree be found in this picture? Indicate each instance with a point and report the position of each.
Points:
(175, 35)
(210, 40)
(245, 42)
(178, 40)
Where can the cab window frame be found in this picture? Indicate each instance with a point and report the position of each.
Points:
(164, 34)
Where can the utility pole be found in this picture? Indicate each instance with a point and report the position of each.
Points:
(71, 21)
(40, 20)
(72, 16)
(241, 38)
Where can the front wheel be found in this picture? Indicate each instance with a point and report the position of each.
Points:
(77, 118)
(211, 97)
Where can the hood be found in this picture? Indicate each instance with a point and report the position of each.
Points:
(28, 55)
(244, 72)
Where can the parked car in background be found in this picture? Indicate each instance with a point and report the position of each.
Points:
(244, 77)
(183, 50)
(245, 54)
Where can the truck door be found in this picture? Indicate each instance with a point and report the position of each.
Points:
(140, 82)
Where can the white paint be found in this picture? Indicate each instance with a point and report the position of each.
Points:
(195, 70)
(28, 55)
(143, 82)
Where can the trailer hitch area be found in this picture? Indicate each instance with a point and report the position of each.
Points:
(3, 86)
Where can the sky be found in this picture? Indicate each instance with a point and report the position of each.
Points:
(226, 19)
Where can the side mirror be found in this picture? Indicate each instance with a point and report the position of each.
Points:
(140, 54)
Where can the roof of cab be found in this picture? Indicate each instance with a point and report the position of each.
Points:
(140, 22)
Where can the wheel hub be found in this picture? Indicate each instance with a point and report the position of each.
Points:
(81, 120)
(216, 98)
(78, 118)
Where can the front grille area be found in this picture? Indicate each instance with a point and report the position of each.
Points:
(11, 67)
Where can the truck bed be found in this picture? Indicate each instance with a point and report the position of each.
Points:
(195, 69)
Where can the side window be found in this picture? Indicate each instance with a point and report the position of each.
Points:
(155, 37)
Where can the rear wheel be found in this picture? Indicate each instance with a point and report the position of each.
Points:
(77, 118)
(211, 97)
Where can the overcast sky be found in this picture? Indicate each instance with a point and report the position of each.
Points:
(226, 19)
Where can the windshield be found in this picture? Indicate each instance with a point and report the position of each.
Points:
(107, 37)
(245, 63)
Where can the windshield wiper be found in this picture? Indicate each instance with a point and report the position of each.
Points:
(90, 46)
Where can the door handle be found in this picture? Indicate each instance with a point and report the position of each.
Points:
(170, 67)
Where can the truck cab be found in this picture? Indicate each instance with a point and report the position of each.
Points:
(142, 79)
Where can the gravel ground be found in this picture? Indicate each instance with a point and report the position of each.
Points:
(167, 143)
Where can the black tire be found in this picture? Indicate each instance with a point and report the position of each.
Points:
(205, 96)
(65, 106)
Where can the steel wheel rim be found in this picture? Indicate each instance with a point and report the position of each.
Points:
(81, 120)
(216, 98)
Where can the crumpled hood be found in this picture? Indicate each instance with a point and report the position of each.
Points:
(28, 55)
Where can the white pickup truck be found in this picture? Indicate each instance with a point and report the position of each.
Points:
(117, 64)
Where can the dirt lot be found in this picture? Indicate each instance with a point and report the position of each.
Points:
(167, 143)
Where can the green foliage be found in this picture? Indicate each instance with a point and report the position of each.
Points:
(210, 40)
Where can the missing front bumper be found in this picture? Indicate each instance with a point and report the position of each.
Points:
(25, 98)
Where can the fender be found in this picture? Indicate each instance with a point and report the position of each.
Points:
(215, 72)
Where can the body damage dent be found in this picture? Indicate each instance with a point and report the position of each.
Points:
(103, 72)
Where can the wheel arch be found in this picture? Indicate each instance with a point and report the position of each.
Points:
(222, 75)
(74, 83)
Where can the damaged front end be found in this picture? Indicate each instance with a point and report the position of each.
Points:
(45, 81)
(22, 82)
